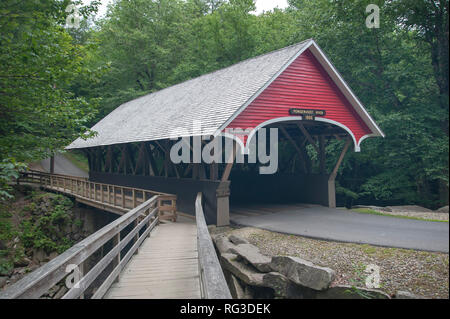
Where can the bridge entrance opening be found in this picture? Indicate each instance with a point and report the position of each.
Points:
(305, 173)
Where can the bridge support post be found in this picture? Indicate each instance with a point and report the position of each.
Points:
(223, 204)
(332, 178)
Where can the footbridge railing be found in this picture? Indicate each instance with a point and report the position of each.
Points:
(212, 280)
(93, 279)
(112, 198)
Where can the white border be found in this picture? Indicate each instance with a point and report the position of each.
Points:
(300, 118)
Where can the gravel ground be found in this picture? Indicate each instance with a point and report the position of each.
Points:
(408, 210)
(424, 215)
(423, 273)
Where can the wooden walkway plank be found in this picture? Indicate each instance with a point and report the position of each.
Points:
(165, 267)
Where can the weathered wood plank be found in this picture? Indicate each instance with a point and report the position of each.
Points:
(213, 284)
(166, 266)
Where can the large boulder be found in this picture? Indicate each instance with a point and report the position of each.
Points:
(284, 288)
(278, 282)
(240, 270)
(349, 292)
(223, 244)
(252, 255)
(235, 239)
(303, 272)
(236, 289)
(3, 281)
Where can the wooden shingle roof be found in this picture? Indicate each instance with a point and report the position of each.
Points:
(211, 100)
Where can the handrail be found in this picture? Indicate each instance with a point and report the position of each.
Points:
(113, 198)
(212, 280)
(33, 171)
(71, 261)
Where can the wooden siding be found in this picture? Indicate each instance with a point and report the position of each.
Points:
(304, 84)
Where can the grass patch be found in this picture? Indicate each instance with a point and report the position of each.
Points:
(374, 212)
(78, 159)
(368, 250)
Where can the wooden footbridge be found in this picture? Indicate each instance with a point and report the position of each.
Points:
(148, 252)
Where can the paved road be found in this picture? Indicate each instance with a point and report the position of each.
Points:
(63, 166)
(341, 225)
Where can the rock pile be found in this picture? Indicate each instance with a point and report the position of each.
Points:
(250, 274)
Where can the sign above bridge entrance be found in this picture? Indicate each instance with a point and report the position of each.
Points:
(308, 114)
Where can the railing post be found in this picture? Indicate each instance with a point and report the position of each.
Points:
(149, 221)
(136, 237)
(134, 198)
(174, 210)
(114, 194)
(116, 260)
(82, 270)
(159, 204)
(123, 197)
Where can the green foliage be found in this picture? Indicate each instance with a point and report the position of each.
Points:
(44, 229)
(9, 170)
(35, 221)
(40, 60)
(392, 70)
(6, 267)
(56, 82)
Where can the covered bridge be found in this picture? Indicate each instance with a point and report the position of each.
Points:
(295, 89)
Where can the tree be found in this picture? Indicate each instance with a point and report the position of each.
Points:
(39, 114)
(428, 20)
(391, 71)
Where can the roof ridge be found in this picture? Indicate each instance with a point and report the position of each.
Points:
(212, 72)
